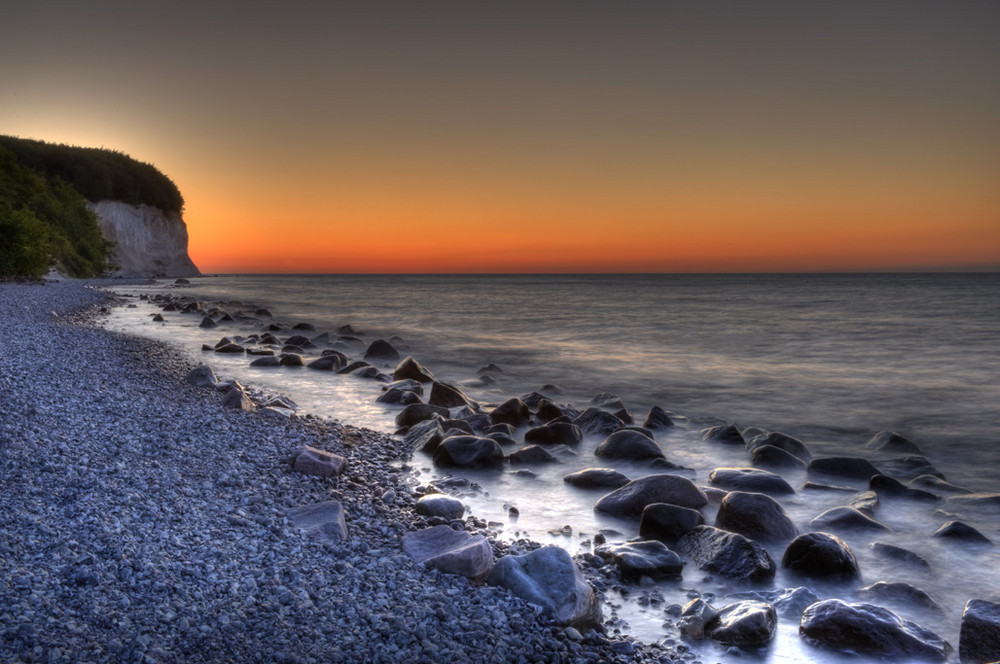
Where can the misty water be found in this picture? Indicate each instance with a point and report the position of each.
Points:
(830, 359)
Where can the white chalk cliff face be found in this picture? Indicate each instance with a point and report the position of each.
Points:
(148, 241)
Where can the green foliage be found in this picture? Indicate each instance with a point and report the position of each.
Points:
(44, 222)
(98, 174)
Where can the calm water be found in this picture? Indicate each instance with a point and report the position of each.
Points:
(831, 359)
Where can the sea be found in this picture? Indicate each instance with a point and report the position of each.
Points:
(831, 359)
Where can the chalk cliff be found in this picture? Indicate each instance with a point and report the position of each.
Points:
(148, 241)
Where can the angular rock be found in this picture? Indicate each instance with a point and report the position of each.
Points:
(237, 399)
(598, 422)
(608, 401)
(727, 554)
(425, 436)
(324, 520)
(890, 441)
(266, 361)
(888, 486)
(513, 412)
(870, 630)
(207, 323)
(901, 593)
(695, 617)
(668, 523)
(628, 444)
(468, 452)
(984, 501)
(448, 396)
(291, 360)
(775, 458)
(548, 577)
(438, 504)
(450, 551)
(820, 556)
(789, 602)
(846, 518)
(979, 639)
(202, 376)
(756, 516)
(898, 554)
(420, 412)
(631, 499)
(724, 433)
(852, 467)
(319, 463)
(327, 363)
(657, 418)
(865, 502)
(398, 397)
(937, 485)
(784, 441)
(752, 480)
(531, 454)
(649, 558)
(909, 467)
(382, 351)
(230, 348)
(554, 433)
(597, 478)
(748, 624)
(958, 530)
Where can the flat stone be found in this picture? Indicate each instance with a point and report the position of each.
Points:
(438, 504)
(311, 461)
(597, 478)
(450, 551)
(748, 624)
(324, 520)
(649, 558)
(979, 639)
(752, 480)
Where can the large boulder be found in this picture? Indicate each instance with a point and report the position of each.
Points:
(789, 602)
(756, 516)
(890, 486)
(451, 551)
(598, 422)
(784, 441)
(727, 554)
(748, 624)
(327, 363)
(958, 530)
(657, 418)
(629, 444)
(425, 436)
(513, 412)
(202, 376)
(381, 350)
(323, 520)
(448, 396)
(531, 454)
(775, 458)
(846, 518)
(554, 433)
(318, 463)
(412, 370)
(396, 396)
(438, 504)
(237, 399)
(649, 558)
(597, 478)
(904, 594)
(890, 441)
(468, 452)
(668, 523)
(851, 467)
(979, 640)
(631, 499)
(865, 502)
(868, 629)
(820, 556)
(752, 480)
(724, 433)
(549, 578)
(418, 412)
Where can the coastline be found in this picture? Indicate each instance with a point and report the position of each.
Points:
(144, 522)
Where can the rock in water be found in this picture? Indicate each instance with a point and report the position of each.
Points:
(647, 558)
(531, 454)
(890, 441)
(846, 518)
(513, 412)
(549, 578)
(753, 480)
(631, 499)
(554, 433)
(438, 504)
(784, 441)
(853, 467)
(323, 520)
(468, 452)
(597, 478)
(451, 551)
(411, 369)
(979, 640)
(748, 624)
(958, 530)
(202, 376)
(629, 444)
(775, 458)
(657, 419)
(725, 433)
(898, 554)
(870, 630)
(756, 516)
(382, 351)
(598, 422)
(448, 396)
(820, 556)
(668, 523)
(727, 554)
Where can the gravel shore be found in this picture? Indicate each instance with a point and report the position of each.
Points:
(142, 522)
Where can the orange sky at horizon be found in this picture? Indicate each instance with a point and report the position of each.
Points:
(528, 137)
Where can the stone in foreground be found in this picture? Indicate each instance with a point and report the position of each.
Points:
(450, 551)
(756, 516)
(324, 520)
(727, 554)
(868, 629)
(820, 556)
(549, 578)
(438, 504)
(748, 624)
(631, 499)
(668, 523)
(468, 452)
(311, 461)
(979, 640)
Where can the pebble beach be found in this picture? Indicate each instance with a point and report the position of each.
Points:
(143, 522)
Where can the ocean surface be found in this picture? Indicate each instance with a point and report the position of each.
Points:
(830, 359)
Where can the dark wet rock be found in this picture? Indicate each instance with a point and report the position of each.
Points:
(490, 368)
(158, 318)
(406, 384)
(291, 360)
(846, 518)
(381, 350)
(266, 361)
(288, 348)
(419, 412)
(270, 340)
(901, 593)
(260, 352)
(607, 401)
(397, 396)
(533, 399)
(597, 478)
(327, 363)
(207, 323)
(820, 556)
(450, 551)
(852, 467)
(452, 427)
(775, 458)
(548, 577)
(888, 486)
(353, 366)
(321, 339)
(625, 416)
(657, 418)
(308, 327)
(598, 422)
(502, 439)
(410, 369)
(696, 616)
(424, 436)
(318, 463)
(556, 433)
(438, 504)
(323, 520)
(782, 440)
(546, 411)
(191, 308)
(748, 624)
(890, 441)
(202, 376)
(789, 602)
(668, 523)
(983, 501)
(957, 530)
(347, 330)
(513, 412)
(237, 400)
(865, 502)
(898, 554)
(833, 488)
(649, 558)
(724, 433)
(300, 341)
(502, 428)
(531, 454)
(628, 444)
(752, 480)
(727, 554)
(909, 467)
(663, 464)
(979, 639)
(230, 348)
(870, 630)
(756, 516)
(631, 499)
(934, 484)
(448, 396)
(468, 452)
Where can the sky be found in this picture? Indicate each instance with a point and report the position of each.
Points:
(539, 136)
